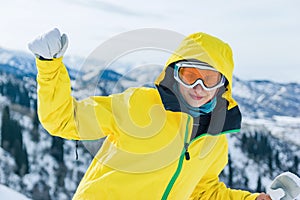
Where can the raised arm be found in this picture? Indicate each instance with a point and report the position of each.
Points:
(59, 113)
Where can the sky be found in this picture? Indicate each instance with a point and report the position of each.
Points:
(263, 34)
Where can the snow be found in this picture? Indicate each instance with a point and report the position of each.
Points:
(283, 127)
(90, 75)
(287, 119)
(243, 162)
(5, 57)
(7, 193)
(31, 179)
(242, 90)
(73, 62)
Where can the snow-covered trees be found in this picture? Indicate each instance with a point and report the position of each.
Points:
(12, 141)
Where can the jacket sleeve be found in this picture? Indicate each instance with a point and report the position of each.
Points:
(60, 114)
(211, 188)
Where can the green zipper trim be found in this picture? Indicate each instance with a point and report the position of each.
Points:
(222, 133)
(179, 167)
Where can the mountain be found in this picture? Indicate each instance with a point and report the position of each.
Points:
(16, 62)
(20, 63)
(7, 193)
(268, 144)
(257, 98)
(264, 99)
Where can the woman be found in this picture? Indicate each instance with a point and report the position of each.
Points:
(166, 142)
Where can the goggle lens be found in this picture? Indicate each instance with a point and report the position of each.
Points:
(189, 75)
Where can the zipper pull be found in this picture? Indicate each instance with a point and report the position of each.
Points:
(186, 153)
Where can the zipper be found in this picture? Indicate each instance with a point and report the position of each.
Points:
(185, 154)
(187, 144)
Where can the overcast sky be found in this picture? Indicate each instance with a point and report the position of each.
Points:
(264, 34)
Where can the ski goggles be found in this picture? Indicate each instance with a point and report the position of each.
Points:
(191, 74)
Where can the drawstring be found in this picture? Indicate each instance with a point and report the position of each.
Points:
(76, 147)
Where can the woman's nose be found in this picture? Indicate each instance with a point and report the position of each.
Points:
(198, 88)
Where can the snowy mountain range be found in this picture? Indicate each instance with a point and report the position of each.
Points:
(20, 63)
(271, 117)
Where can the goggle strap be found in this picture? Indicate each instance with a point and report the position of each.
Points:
(199, 65)
(195, 63)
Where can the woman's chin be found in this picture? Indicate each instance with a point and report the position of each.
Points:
(196, 104)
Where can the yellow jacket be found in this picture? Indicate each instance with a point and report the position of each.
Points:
(143, 155)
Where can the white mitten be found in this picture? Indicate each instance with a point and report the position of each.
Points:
(285, 186)
(49, 45)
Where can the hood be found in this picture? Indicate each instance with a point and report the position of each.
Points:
(209, 49)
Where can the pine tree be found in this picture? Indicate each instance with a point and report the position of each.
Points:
(256, 138)
(294, 167)
(35, 105)
(1, 89)
(12, 142)
(61, 174)
(18, 150)
(246, 181)
(21, 158)
(296, 164)
(259, 185)
(41, 191)
(12, 91)
(270, 164)
(25, 164)
(277, 161)
(35, 129)
(4, 89)
(230, 173)
(24, 97)
(57, 149)
(5, 128)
